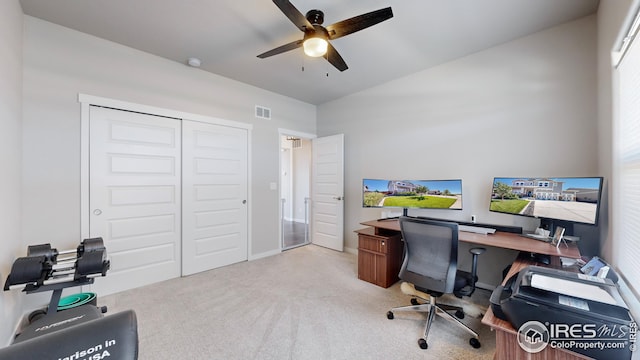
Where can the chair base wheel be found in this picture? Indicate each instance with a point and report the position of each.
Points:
(475, 343)
(459, 314)
(423, 344)
(389, 315)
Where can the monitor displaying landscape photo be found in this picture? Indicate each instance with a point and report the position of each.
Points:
(412, 194)
(574, 199)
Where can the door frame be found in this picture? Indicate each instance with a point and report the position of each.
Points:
(286, 132)
(86, 101)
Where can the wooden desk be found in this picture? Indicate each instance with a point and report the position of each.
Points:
(498, 239)
(506, 336)
(380, 249)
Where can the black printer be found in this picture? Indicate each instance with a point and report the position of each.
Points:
(582, 313)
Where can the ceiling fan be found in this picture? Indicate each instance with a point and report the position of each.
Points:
(316, 37)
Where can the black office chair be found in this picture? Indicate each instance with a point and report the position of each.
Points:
(430, 264)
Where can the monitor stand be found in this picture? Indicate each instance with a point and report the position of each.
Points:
(405, 213)
(551, 224)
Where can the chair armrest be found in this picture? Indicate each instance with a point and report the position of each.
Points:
(477, 251)
(474, 264)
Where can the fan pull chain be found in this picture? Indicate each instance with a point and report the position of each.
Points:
(326, 64)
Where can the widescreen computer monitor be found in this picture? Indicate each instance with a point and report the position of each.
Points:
(412, 194)
(555, 200)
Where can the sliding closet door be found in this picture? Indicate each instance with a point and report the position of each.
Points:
(214, 209)
(135, 196)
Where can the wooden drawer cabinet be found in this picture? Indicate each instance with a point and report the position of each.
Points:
(373, 243)
(379, 257)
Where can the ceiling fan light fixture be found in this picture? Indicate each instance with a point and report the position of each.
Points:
(315, 46)
(316, 37)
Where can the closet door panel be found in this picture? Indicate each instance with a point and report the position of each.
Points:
(135, 196)
(214, 231)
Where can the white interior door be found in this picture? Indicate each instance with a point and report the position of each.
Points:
(214, 183)
(135, 196)
(327, 192)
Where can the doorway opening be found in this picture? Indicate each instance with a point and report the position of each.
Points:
(295, 189)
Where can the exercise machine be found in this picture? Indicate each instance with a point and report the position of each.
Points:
(73, 327)
(47, 269)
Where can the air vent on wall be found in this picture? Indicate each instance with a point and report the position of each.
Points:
(263, 112)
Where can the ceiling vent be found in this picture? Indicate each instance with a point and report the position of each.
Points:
(263, 112)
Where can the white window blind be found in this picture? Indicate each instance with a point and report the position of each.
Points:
(626, 207)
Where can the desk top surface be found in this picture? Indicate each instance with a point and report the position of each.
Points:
(498, 239)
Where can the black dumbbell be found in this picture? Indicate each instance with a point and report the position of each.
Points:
(50, 253)
(28, 270)
(42, 250)
(91, 263)
(89, 245)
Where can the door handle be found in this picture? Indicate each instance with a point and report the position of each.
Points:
(97, 212)
(338, 197)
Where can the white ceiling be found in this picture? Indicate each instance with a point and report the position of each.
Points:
(226, 35)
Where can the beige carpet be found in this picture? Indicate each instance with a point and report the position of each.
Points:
(305, 303)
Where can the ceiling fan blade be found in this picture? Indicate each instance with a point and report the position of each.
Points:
(335, 59)
(294, 15)
(357, 23)
(280, 49)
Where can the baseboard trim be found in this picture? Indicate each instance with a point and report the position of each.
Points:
(351, 250)
(484, 286)
(264, 254)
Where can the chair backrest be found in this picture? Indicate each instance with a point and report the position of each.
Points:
(431, 253)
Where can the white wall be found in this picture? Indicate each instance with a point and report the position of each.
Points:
(59, 63)
(10, 159)
(523, 108)
(301, 179)
(295, 168)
